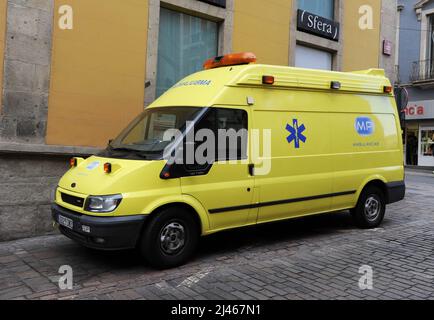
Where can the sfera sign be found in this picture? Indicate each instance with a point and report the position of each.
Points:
(317, 25)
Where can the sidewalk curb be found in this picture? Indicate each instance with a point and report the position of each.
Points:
(420, 174)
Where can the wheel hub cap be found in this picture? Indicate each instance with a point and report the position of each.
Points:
(372, 208)
(172, 238)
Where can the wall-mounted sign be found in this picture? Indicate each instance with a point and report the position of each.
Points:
(314, 24)
(218, 3)
(418, 110)
(387, 47)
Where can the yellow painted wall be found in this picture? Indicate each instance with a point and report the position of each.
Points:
(361, 47)
(3, 4)
(263, 27)
(97, 71)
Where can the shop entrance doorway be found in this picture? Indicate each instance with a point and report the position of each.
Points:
(411, 146)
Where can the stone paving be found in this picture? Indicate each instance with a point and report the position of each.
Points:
(311, 258)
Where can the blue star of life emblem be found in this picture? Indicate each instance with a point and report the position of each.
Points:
(296, 133)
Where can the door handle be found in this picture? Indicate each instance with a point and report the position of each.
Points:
(252, 170)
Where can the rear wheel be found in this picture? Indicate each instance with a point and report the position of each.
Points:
(370, 209)
(170, 238)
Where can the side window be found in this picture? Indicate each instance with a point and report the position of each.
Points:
(232, 134)
(226, 138)
(229, 127)
(199, 165)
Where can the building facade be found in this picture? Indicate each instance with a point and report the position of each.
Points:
(416, 77)
(75, 72)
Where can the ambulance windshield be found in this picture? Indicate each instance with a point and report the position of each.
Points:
(144, 137)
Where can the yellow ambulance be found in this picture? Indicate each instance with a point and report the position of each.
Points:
(307, 142)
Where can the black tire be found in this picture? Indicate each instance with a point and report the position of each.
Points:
(371, 208)
(172, 224)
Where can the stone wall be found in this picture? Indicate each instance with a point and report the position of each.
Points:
(26, 70)
(388, 32)
(26, 185)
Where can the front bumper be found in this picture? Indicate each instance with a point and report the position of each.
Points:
(106, 233)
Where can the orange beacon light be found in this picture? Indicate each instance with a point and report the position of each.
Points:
(232, 59)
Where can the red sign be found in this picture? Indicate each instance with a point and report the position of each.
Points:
(414, 110)
(418, 110)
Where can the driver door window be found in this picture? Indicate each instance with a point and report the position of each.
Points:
(229, 127)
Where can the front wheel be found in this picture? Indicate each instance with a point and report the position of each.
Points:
(170, 238)
(370, 209)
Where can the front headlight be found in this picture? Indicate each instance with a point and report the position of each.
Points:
(103, 204)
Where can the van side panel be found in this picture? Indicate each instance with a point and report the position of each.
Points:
(365, 147)
(351, 139)
(300, 164)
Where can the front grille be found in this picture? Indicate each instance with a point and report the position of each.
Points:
(72, 200)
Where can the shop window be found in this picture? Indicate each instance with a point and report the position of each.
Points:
(323, 8)
(311, 58)
(427, 142)
(185, 42)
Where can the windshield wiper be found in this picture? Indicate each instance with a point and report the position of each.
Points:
(135, 151)
(123, 149)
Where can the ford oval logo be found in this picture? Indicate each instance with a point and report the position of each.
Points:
(365, 126)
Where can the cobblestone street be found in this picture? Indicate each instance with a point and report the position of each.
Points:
(313, 258)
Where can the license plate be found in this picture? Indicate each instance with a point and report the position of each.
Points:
(66, 222)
